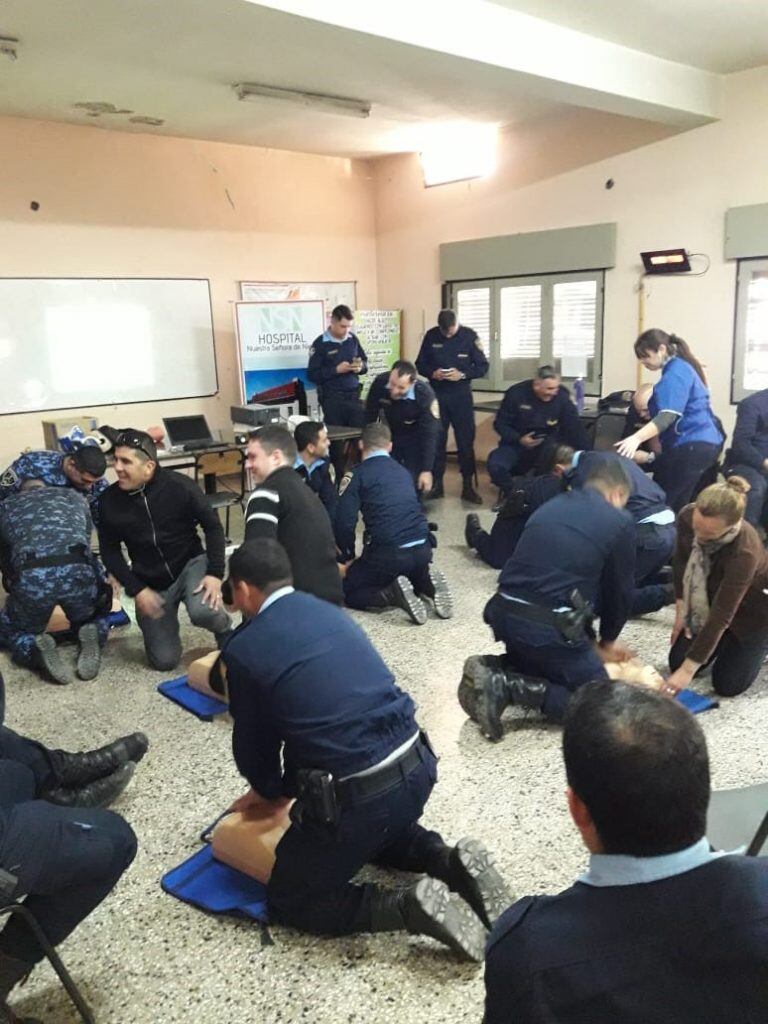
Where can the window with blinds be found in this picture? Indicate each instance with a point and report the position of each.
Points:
(750, 362)
(527, 322)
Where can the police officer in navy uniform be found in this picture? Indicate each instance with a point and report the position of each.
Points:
(655, 531)
(395, 568)
(318, 716)
(45, 533)
(748, 454)
(535, 416)
(410, 409)
(336, 362)
(576, 551)
(313, 465)
(527, 495)
(82, 469)
(451, 357)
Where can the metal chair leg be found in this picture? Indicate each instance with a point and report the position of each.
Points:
(53, 958)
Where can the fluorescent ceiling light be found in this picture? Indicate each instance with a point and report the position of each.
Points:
(458, 152)
(666, 261)
(312, 100)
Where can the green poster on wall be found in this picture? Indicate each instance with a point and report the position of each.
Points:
(379, 334)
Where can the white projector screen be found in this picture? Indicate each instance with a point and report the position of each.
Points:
(66, 343)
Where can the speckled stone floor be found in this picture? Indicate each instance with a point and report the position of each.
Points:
(144, 958)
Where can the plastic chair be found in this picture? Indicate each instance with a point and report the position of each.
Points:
(216, 468)
(739, 817)
(53, 958)
(609, 426)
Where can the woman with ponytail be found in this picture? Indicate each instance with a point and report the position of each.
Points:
(682, 417)
(720, 574)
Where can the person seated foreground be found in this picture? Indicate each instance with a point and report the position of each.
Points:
(660, 929)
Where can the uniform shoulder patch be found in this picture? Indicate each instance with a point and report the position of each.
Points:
(435, 409)
(332, 472)
(346, 480)
(479, 344)
(9, 478)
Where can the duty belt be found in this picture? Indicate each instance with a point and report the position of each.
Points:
(76, 554)
(570, 622)
(363, 787)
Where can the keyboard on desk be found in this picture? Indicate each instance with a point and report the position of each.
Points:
(195, 446)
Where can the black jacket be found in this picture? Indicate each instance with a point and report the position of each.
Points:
(285, 509)
(158, 526)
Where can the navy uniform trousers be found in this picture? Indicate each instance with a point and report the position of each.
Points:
(680, 471)
(311, 887)
(377, 567)
(536, 649)
(653, 550)
(456, 411)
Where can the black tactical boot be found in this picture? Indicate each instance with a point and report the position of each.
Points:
(48, 657)
(427, 908)
(74, 770)
(468, 492)
(12, 971)
(400, 594)
(469, 870)
(88, 652)
(99, 793)
(437, 591)
(436, 492)
(488, 686)
(472, 530)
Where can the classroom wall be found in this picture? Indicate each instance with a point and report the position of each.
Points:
(114, 204)
(668, 193)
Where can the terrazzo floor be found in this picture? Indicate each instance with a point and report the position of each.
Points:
(145, 958)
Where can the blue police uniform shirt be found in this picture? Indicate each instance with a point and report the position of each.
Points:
(48, 467)
(383, 490)
(325, 355)
(647, 502)
(523, 412)
(576, 541)
(307, 689)
(462, 352)
(750, 436)
(680, 390)
(413, 419)
(319, 476)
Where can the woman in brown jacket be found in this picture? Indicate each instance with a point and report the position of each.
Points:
(721, 590)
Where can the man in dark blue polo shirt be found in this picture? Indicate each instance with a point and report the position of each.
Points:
(748, 454)
(317, 715)
(313, 465)
(336, 362)
(451, 357)
(535, 416)
(660, 927)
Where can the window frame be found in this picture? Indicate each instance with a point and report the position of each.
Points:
(495, 380)
(739, 346)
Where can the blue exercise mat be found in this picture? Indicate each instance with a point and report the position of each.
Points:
(209, 885)
(181, 693)
(696, 702)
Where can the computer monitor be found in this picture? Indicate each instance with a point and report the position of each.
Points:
(186, 429)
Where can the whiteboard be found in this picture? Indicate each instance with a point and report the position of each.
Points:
(66, 343)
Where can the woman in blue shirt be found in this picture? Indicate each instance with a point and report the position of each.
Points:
(682, 418)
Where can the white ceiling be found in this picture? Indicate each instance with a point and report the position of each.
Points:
(176, 61)
(718, 35)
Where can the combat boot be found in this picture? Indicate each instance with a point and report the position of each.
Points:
(400, 594)
(12, 971)
(488, 686)
(436, 492)
(88, 652)
(468, 492)
(48, 657)
(427, 908)
(99, 793)
(469, 870)
(472, 530)
(73, 770)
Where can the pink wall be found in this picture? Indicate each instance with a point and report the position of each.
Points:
(115, 204)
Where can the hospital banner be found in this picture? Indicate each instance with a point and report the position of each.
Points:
(273, 343)
(379, 334)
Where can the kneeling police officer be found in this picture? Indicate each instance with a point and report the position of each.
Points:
(318, 716)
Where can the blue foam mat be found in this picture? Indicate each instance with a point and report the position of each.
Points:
(205, 883)
(181, 693)
(696, 702)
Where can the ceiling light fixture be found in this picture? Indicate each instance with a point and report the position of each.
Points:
(312, 100)
(8, 47)
(666, 261)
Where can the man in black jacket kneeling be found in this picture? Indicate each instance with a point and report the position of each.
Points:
(155, 513)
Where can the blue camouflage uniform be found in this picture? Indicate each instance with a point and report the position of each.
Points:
(46, 539)
(655, 531)
(47, 466)
(396, 528)
(320, 697)
(320, 477)
(339, 393)
(692, 444)
(575, 541)
(522, 412)
(749, 451)
(463, 351)
(413, 420)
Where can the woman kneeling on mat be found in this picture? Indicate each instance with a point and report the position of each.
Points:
(721, 583)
